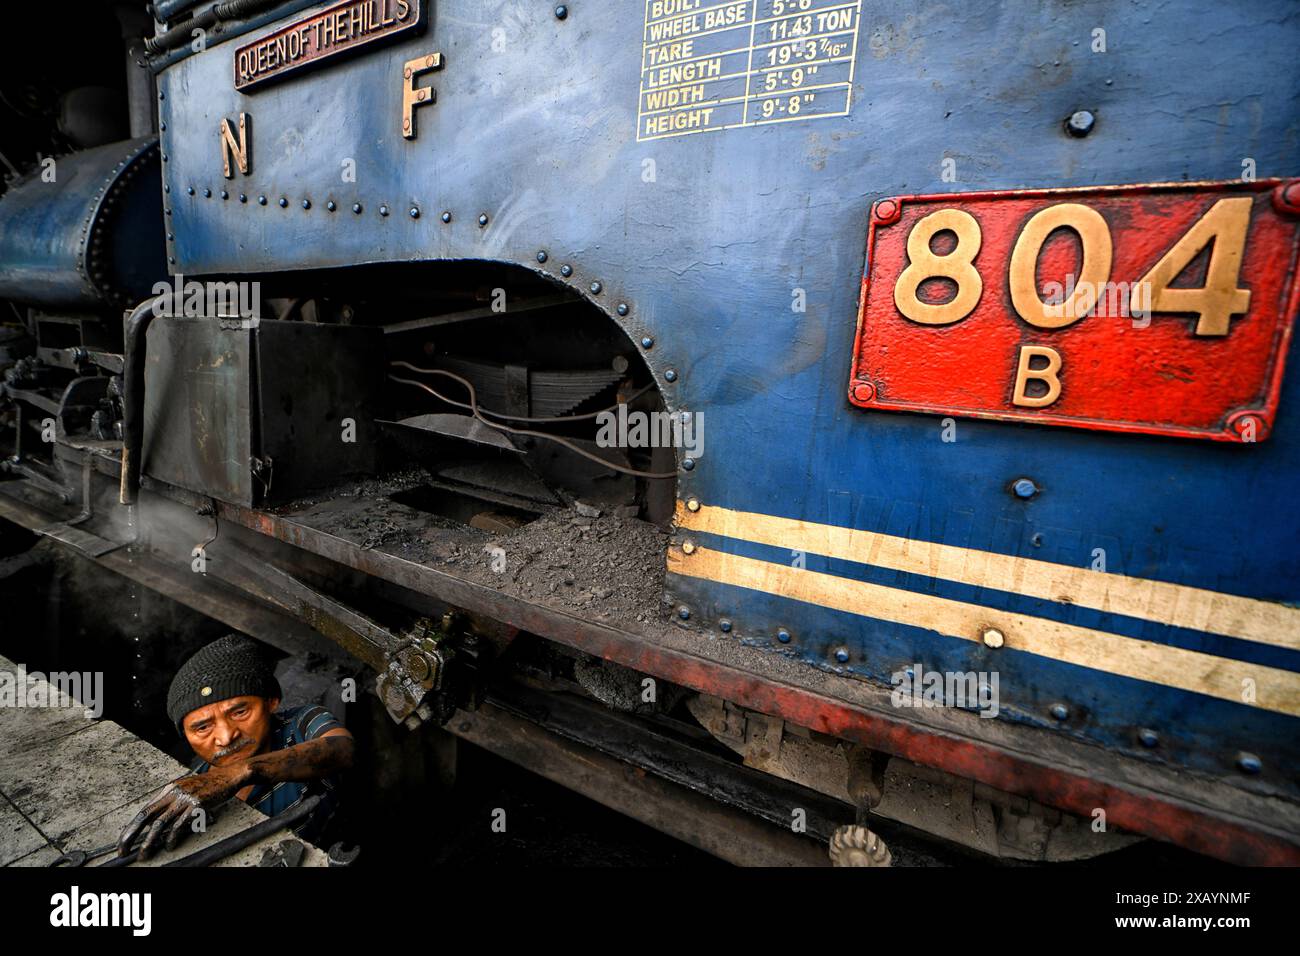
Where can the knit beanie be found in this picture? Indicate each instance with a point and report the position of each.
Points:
(231, 666)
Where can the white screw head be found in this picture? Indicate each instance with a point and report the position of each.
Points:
(993, 637)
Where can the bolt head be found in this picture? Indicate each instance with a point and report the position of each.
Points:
(1060, 711)
(566, 270)
(684, 613)
(992, 637)
(688, 464)
(864, 392)
(886, 208)
(1024, 488)
(842, 655)
(1249, 763)
(647, 342)
(693, 504)
(622, 308)
(541, 255)
(670, 375)
(1080, 123)
(783, 636)
(724, 626)
(595, 288)
(688, 547)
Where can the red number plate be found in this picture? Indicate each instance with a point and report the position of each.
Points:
(1161, 309)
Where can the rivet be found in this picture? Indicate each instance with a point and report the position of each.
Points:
(1148, 738)
(383, 209)
(1060, 711)
(167, 188)
(415, 212)
(243, 197)
(842, 655)
(162, 127)
(207, 193)
(168, 210)
(783, 636)
(171, 260)
(993, 637)
(622, 308)
(483, 219)
(670, 375)
(225, 194)
(284, 202)
(306, 204)
(446, 217)
(164, 157)
(1024, 488)
(170, 237)
(688, 547)
(331, 205)
(1080, 123)
(190, 190)
(356, 208)
(561, 12)
(595, 288)
(162, 95)
(693, 504)
(566, 270)
(261, 200)
(684, 613)
(724, 626)
(688, 464)
(1249, 763)
(647, 342)
(541, 255)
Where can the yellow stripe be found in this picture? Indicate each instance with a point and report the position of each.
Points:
(1275, 690)
(1174, 604)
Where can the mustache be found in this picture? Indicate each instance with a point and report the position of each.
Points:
(230, 750)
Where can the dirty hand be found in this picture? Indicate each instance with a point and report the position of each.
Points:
(173, 809)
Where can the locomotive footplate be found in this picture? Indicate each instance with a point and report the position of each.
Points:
(369, 534)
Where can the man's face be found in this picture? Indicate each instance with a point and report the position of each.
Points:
(230, 730)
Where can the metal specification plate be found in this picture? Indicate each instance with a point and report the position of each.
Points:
(342, 28)
(1162, 309)
(718, 64)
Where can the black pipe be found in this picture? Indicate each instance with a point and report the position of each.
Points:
(133, 335)
(183, 32)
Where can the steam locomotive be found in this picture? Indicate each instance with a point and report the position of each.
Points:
(881, 429)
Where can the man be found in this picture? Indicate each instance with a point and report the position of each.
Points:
(223, 701)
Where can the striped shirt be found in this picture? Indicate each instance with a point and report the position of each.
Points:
(289, 727)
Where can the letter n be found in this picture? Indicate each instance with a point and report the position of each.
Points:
(230, 147)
